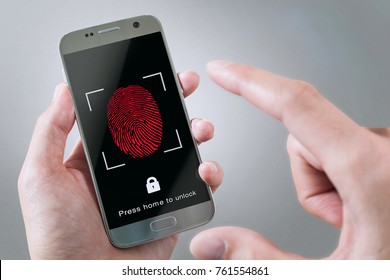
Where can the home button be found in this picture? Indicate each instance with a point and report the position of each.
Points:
(162, 224)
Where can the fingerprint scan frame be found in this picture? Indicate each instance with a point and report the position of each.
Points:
(158, 74)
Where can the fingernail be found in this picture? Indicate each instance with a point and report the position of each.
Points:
(199, 123)
(219, 63)
(195, 122)
(213, 249)
(56, 93)
(212, 166)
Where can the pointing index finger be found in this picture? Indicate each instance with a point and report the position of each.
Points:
(313, 120)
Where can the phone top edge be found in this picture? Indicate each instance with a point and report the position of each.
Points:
(95, 36)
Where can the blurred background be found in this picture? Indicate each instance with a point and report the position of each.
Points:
(340, 46)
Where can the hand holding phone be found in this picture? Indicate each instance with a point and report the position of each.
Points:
(57, 197)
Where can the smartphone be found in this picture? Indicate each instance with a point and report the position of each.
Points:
(135, 131)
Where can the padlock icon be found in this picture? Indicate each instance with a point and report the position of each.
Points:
(152, 185)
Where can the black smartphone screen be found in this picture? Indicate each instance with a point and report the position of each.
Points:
(135, 129)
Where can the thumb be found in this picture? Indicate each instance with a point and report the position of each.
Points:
(231, 243)
(47, 145)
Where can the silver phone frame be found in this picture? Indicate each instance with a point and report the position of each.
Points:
(138, 232)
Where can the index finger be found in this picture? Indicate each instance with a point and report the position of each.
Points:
(322, 128)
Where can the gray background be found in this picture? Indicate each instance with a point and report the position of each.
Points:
(342, 47)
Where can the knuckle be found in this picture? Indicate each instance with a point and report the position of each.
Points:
(41, 120)
(44, 116)
(296, 95)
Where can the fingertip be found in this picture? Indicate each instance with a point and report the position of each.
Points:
(202, 130)
(209, 167)
(232, 243)
(189, 81)
(191, 74)
(61, 111)
(212, 174)
(218, 64)
(60, 89)
(205, 247)
(229, 75)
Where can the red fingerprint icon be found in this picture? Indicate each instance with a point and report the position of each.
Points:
(134, 121)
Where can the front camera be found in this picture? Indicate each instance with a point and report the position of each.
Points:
(136, 24)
